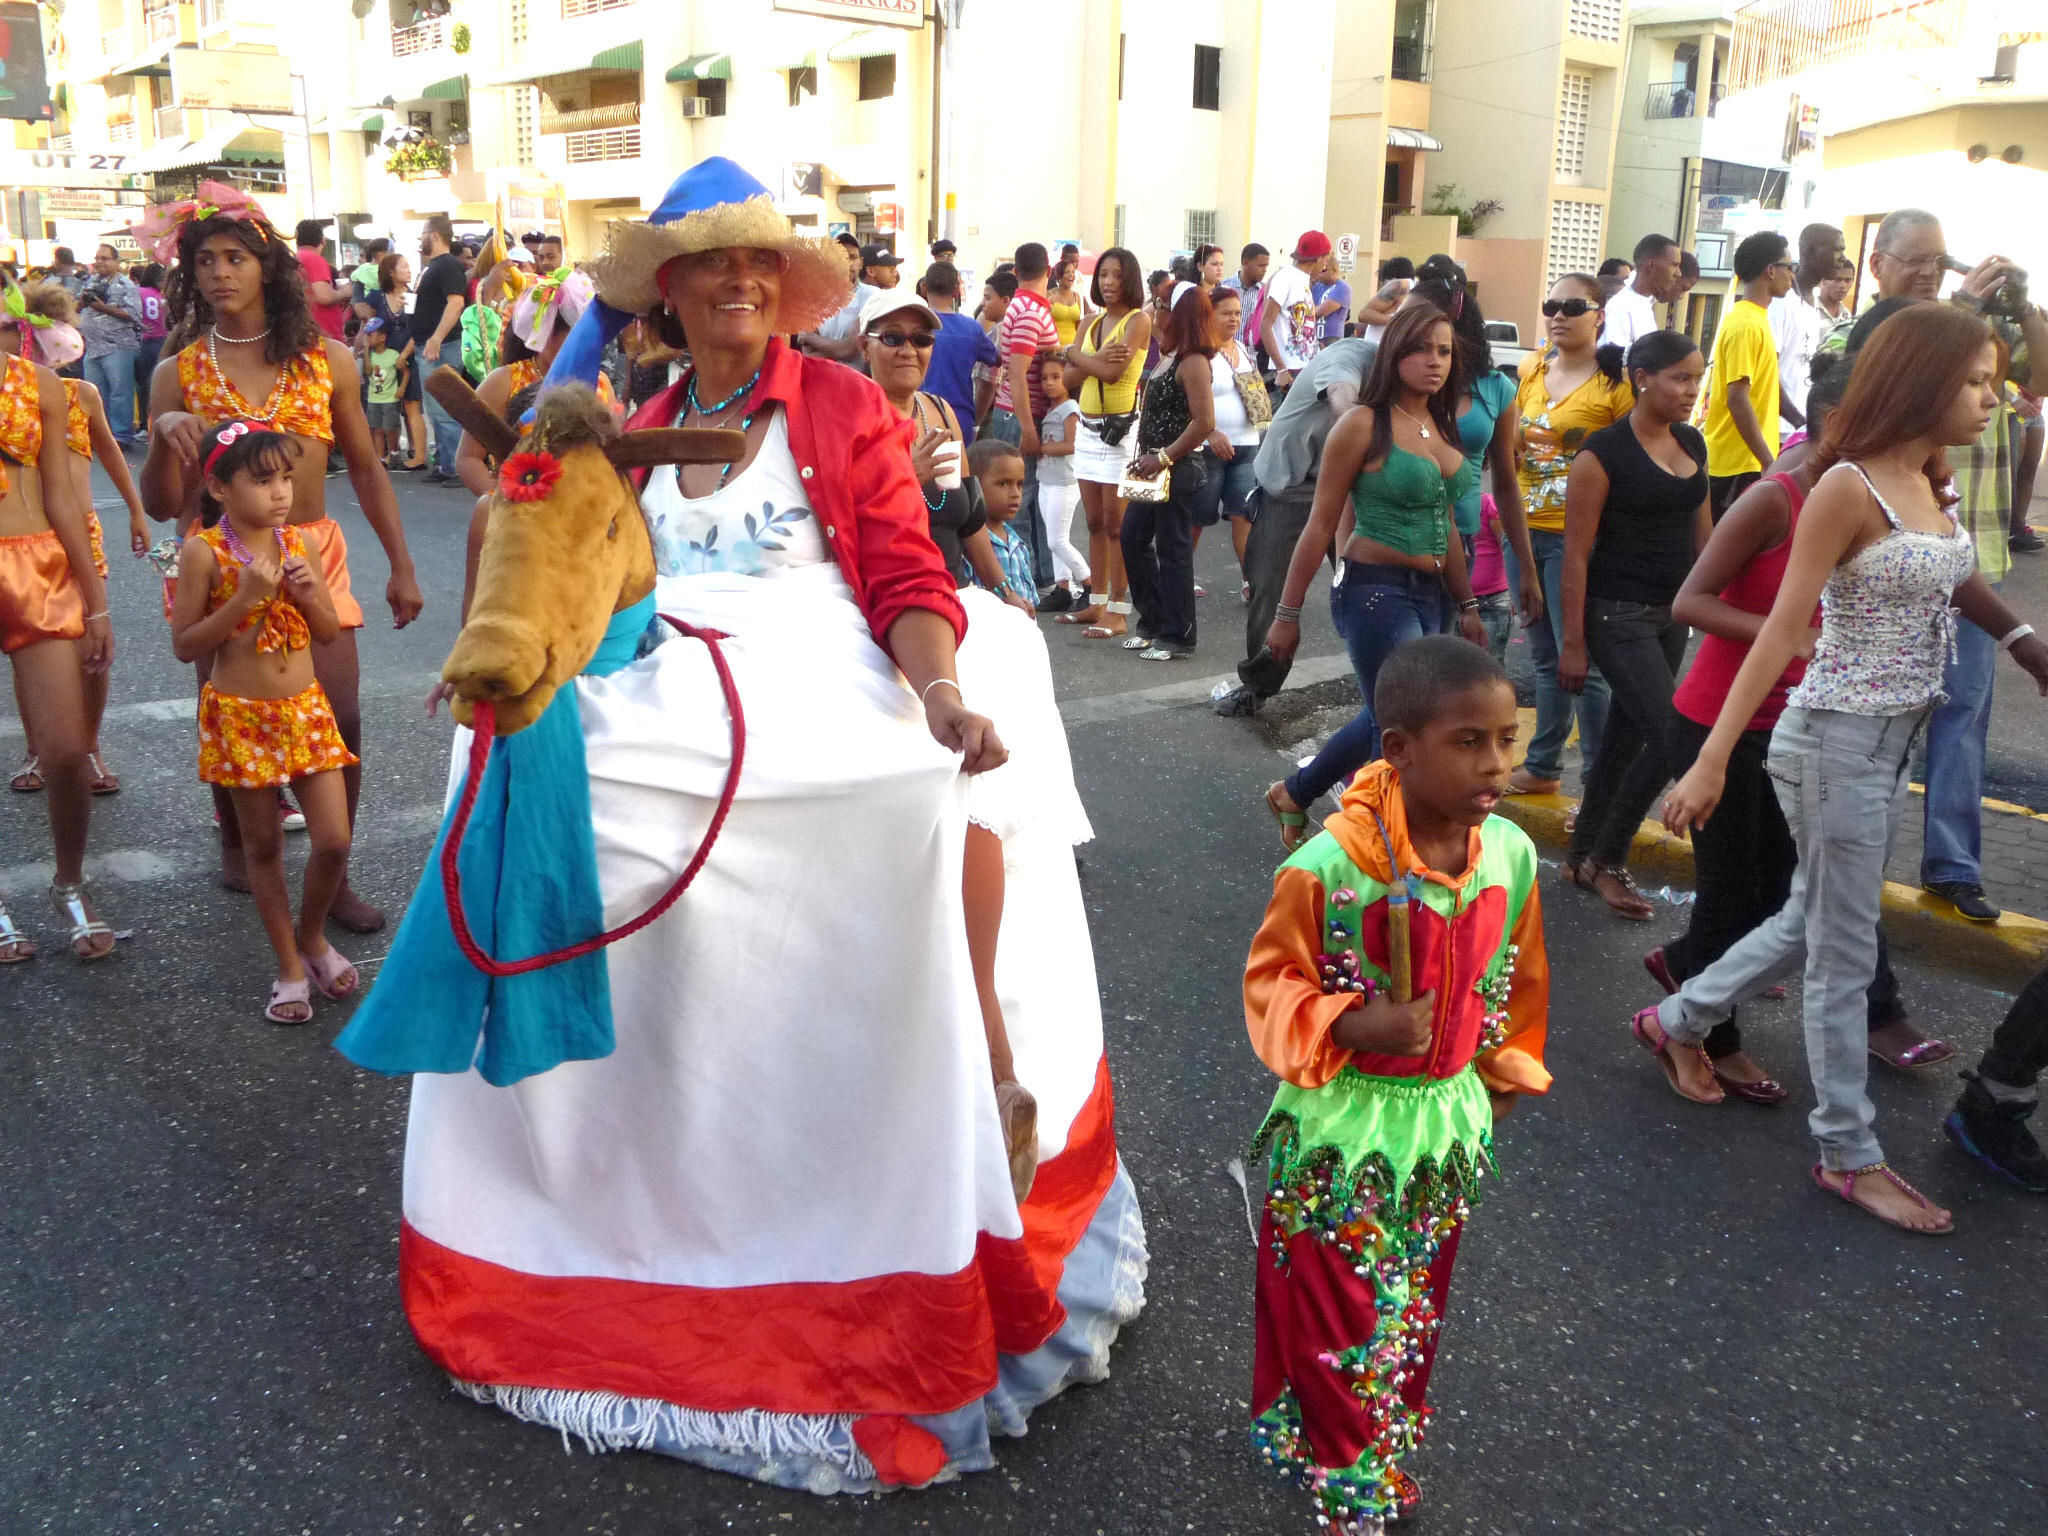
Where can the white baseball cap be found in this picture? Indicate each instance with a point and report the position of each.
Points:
(884, 302)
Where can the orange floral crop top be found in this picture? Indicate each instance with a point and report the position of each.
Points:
(302, 402)
(284, 627)
(528, 370)
(77, 425)
(21, 414)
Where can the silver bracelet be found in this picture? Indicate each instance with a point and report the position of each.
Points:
(928, 687)
(103, 613)
(2013, 637)
(1287, 613)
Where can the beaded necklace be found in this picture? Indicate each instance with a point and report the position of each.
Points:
(705, 413)
(917, 405)
(242, 553)
(271, 407)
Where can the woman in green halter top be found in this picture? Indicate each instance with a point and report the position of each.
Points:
(1395, 463)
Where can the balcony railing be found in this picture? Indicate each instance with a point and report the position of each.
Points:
(1674, 98)
(1411, 59)
(123, 133)
(114, 43)
(604, 144)
(571, 9)
(161, 22)
(625, 114)
(420, 37)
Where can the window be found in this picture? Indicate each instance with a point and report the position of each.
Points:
(517, 25)
(802, 83)
(1574, 237)
(1208, 78)
(1574, 105)
(1599, 20)
(523, 114)
(878, 77)
(1123, 41)
(1414, 23)
(1200, 229)
(712, 94)
(1117, 236)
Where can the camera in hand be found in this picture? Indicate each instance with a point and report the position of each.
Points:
(2008, 300)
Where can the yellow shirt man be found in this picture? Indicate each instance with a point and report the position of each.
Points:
(1744, 348)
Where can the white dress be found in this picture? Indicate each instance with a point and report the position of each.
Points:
(779, 1215)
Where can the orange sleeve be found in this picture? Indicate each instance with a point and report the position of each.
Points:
(1286, 1010)
(1516, 1064)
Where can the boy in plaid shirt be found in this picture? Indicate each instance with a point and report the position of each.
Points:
(999, 469)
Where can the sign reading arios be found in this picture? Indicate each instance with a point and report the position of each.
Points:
(875, 13)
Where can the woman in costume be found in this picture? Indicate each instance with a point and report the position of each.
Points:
(248, 351)
(765, 1221)
(541, 318)
(51, 595)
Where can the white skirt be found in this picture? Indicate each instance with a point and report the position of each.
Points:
(1098, 462)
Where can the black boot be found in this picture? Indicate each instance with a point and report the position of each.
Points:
(1995, 1132)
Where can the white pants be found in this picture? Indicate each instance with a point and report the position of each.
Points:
(1056, 505)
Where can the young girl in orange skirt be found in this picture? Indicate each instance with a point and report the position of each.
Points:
(252, 601)
(50, 315)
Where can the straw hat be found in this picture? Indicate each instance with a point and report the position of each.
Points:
(712, 205)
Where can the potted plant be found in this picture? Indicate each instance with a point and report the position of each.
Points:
(424, 156)
(458, 39)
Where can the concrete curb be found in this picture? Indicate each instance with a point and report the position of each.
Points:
(2002, 954)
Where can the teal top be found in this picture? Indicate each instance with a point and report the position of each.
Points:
(1405, 503)
(1492, 393)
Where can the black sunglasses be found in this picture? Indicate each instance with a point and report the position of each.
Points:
(1571, 309)
(922, 340)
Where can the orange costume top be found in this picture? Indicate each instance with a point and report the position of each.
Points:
(21, 414)
(284, 627)
(302, 402)
(78, 438)
(528, 370)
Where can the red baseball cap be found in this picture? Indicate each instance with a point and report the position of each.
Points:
(1313, 243)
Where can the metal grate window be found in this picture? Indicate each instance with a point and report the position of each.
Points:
(1201, 228)
(603, 144)
(516, 26)
(571, 9)
(1574, 237)
(1574, 106)
(524, 111)
(1599, 20)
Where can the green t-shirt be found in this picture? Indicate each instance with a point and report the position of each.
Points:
(382, 368)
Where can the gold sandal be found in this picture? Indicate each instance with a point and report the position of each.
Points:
(72, 905)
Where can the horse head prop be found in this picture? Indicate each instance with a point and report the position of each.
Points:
(565, 547)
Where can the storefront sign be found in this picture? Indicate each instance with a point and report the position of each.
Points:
(64, 168)
(231, 80)
(74, 203)
(874, 13)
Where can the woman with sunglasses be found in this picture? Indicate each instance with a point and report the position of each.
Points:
(897, 333)
(1635, 520)
(1569, 391)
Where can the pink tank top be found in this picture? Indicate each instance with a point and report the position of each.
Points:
(1754, 589)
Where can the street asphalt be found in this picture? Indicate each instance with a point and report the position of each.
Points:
(1658, 1325)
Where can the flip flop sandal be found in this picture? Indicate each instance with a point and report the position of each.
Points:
(1765, 1090)
(1293, 824)
(1162, 653)
(1098, 604)
(71, 904)
(1848, 1193)
(1662, 1047)
(1622, 878)
(1926, 1054)
(15, 946)
(29, 779)
(1018, 1112)
(291, 1002)
(1135, 643)
(331, 973)
(103, 782)
(1659, 967)
(1574, 871)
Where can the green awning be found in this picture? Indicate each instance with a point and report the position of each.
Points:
(868, 43)
(808, 61)
(701, 66)
(351, 122)
(625, 56)
(454, 88)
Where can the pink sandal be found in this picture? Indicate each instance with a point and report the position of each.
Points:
(1663, 1046)
(290, 1002)
(1848, 1193)
(331, 973)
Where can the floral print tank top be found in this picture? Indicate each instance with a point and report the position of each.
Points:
(302, 402)
(77, 425)
(21, 415)
(283, 626)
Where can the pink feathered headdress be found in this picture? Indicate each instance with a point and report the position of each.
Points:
(216, 200)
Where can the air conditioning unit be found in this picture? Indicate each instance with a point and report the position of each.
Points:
(692, 107)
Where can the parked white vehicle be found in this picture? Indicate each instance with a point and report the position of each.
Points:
(1505, 337)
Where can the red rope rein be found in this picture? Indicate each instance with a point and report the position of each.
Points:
(483, 727)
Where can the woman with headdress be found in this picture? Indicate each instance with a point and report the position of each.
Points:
(542, 316)
(51, 596)
(246, 348)
(770, 1226)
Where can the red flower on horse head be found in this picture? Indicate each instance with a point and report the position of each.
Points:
(529, 476)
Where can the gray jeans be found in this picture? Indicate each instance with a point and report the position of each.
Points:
(1841, 780)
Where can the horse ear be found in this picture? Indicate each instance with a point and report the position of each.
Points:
(497, 435)
(647, 446)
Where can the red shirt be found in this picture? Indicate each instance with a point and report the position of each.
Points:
(1754, 589)
(1026, 331)
(853, 453)
(329, 317)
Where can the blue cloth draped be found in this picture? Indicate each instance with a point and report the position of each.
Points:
(529, 885)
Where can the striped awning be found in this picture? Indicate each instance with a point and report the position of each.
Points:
(701, 66)
(454, 88)
(868, 43)
(351, 122)
(624, 57)
(226, 146)
(1410, 138)
(627, 56)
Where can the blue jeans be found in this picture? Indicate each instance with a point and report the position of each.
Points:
(1240, 479)
(1378, 608)
(1554, 706)
(1004, 427)
(447, 430)
(1956, 734)
(113, 375)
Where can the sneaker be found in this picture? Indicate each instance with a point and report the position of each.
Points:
(2027, 542)
(1059, 600)
(1235, 703)
(1994, 1132)
(1966, 896)
(289, 816)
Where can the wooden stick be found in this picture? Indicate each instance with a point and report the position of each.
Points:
(1397, 942)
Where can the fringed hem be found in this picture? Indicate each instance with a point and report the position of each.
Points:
(1398, 1136)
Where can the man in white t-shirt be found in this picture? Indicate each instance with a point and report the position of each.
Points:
(1798, 323)
(1632, 312)
(1288, 326)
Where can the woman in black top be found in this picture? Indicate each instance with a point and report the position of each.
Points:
(1636, 516)
(1158, 537)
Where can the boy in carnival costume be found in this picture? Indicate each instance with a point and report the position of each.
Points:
(1399, 988)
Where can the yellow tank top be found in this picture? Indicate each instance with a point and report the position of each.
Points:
(1066, 319)
(1118, 396)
